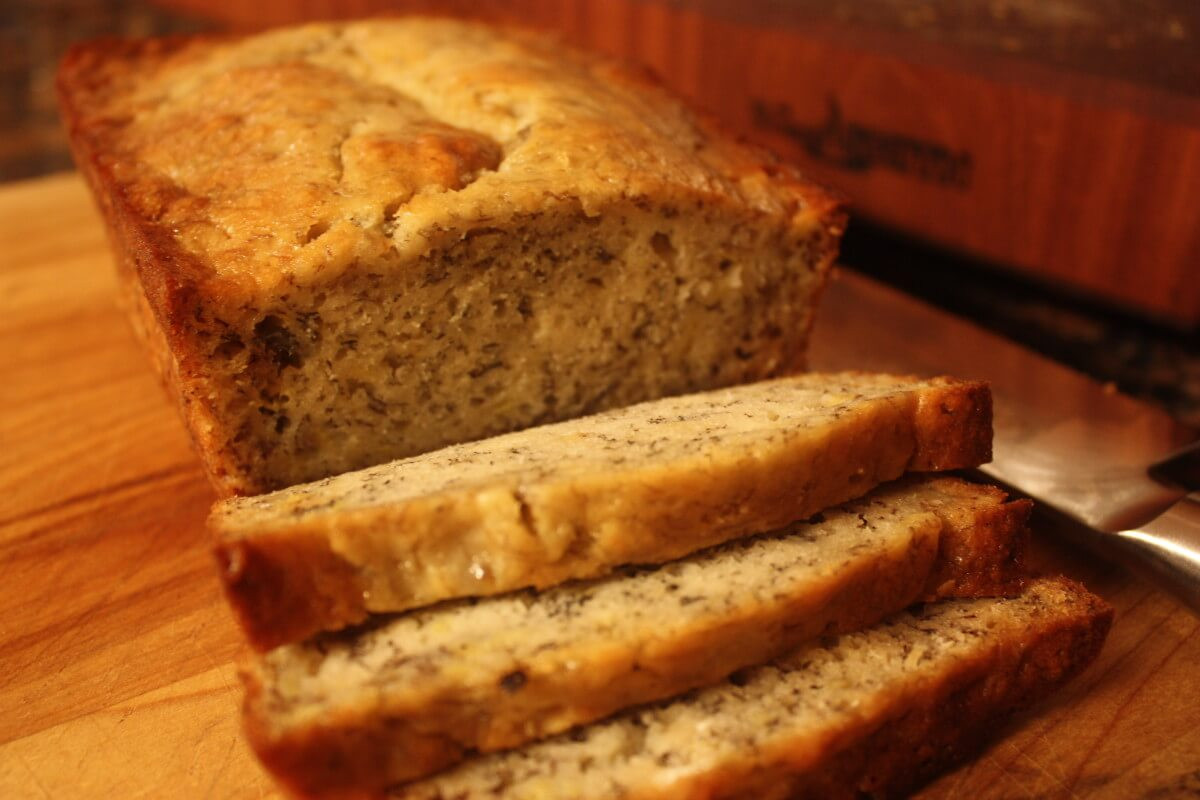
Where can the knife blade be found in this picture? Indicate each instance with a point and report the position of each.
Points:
(1084, 449)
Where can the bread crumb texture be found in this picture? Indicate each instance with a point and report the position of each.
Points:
(368, 240)
(775, 728)
(411, 694)
(641, 484)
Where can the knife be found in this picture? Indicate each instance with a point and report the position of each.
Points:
(1117, 466)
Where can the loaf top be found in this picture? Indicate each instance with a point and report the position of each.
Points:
(290, 155)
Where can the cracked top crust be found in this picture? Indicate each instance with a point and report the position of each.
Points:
(289, 156)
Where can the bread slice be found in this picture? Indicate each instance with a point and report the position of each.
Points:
(411, 695)
(347, 243)
(644, 484)
(868, 715)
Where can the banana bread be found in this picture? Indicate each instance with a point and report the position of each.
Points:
(349, 243)
(644, 484)
(413, 694)
(870, 715)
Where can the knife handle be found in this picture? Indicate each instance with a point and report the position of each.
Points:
(1169, 545)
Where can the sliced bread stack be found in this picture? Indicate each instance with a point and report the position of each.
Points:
(871, 714)
(627, 604)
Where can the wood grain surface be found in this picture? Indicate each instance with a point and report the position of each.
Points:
(117, 675)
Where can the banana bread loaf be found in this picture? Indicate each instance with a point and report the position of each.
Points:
(870, 715)
(350, 243)
(366, 709)
(638, 485)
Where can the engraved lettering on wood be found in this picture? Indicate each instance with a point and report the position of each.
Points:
(856, 147)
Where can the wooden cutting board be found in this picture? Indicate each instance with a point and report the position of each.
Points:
(117, 674)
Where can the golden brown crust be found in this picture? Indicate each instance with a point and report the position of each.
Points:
(982, 550)
(285, 588)
(337, 762)
(955, 427)
(106, 83)
(161, 284)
